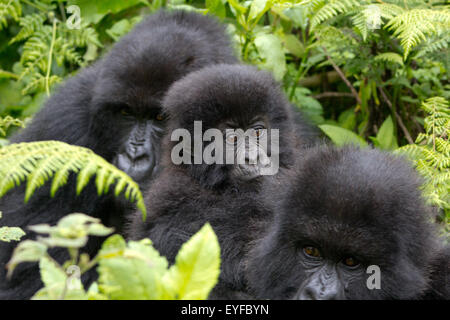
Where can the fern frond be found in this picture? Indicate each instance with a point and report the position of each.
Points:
(30, 24)
(438, 123)
(413, 26)
(35, 51)
(8, 121)
(38, 162)
(390, 57)
(432, 156)
(332, 9)
(360, 22)
(84, 36)
(9, 8)
(37, 82)
(433, 45)
(389, 10)
(329, 35)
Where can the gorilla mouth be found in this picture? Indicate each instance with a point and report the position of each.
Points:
(138, 168)
(246, 172)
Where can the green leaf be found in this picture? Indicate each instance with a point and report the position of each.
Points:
(57, 284)
(386, 138)
(37, 162)
(197, 266)
(341, 136)
(94, 11)
(390, 57)
(271, 51)
(8, 234)
(293, 45)
(258, 8)
(72, 231)
(131, 272)
(26, 251)
(216, 7)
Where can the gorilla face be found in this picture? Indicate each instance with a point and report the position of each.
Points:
(134, 140)
(345, 211)
(242, 104)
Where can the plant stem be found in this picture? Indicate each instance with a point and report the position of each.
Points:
(50, 55)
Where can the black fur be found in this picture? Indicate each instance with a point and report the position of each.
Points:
(360, 203)
(85, 112)
(184, 197)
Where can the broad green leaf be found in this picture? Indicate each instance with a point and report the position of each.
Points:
(26, 251)
(197, 266)
(94, 11)
(238, 8)
(341, 136)
(258, 8)
(57, 284)
(271, 51)
(133, 272)
(347, 119)
(293, 45)
(216, 7)
(386, 138)
(51, 274)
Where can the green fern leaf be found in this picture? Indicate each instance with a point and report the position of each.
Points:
(332, 9)
(30, 24)
(9, 8)
(412, 27)
(38, 162)
(390, 57)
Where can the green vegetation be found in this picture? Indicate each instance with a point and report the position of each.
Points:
(366, 72)
(132, 270)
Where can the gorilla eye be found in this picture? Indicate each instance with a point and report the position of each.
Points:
(125, 111)
(351, 262)
(311, 251)
(159, 117)
(258, 132)
(232, 138)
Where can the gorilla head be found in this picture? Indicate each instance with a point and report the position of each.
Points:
(346, 210)
(114, 106)
(134, 77)
(243, 105)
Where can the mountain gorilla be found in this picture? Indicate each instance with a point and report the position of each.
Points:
(345, 210)
(186, 195)
(113, 108)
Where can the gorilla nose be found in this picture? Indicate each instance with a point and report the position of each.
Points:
(314, 293)
(136, 150)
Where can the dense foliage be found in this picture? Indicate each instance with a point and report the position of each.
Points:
(366, 72)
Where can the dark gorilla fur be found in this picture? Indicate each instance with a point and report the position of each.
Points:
(86, 111)
(184, 197)
(349, 202)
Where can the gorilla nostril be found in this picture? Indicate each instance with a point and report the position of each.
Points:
(137, 143)
(309, 293)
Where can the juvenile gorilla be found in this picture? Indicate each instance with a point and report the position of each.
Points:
(186, 196)
(113, 108)
(345, 210)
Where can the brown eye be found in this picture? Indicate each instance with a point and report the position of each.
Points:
(351, 262)
(258, 132)
(311, 251)
(125, 112)
(159, 117)
(232, 138)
